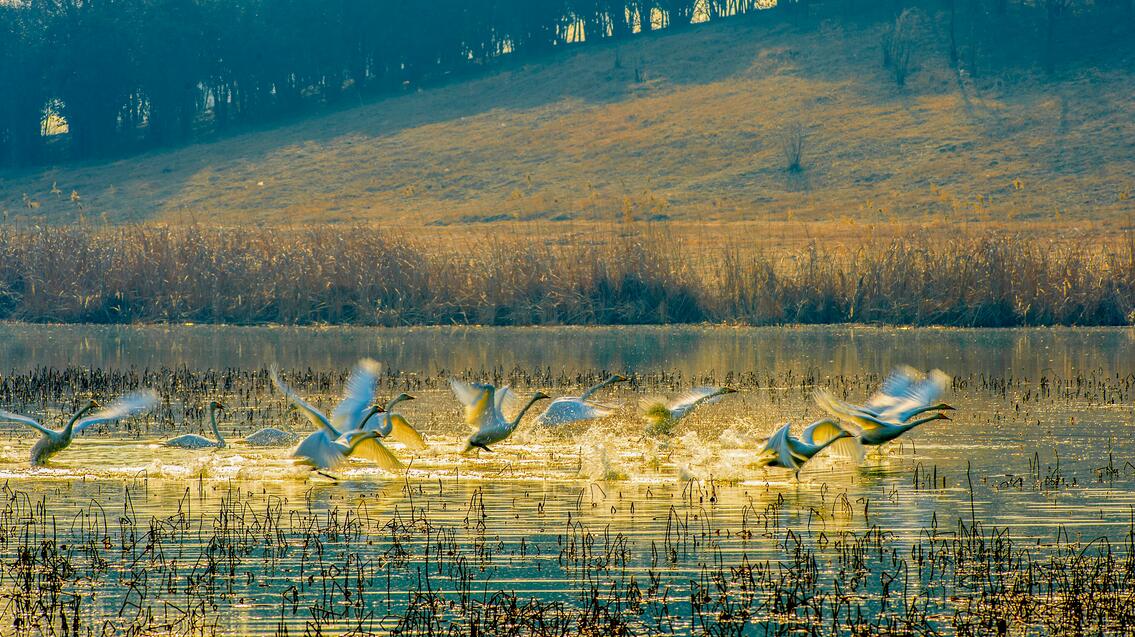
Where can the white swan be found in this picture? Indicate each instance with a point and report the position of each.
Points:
(194, 441)
(785, 451)
(661, 416)
(568, 409)
(339, 437)
(394, 426)
(905, 393)
(484, 412)
(53, 441)
(269, 437)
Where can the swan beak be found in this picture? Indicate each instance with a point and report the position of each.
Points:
(409, 397)
(728, 390)
(946, 407)
(944, 417)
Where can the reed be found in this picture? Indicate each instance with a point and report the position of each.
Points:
(368, 276)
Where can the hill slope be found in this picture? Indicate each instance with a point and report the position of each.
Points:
(698, 135)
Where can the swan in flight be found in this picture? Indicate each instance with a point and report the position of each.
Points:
(340, 436)
(55, 440)
(483, 411)
(394, 426)
(887, 414)
(568, 409)
(785, 451)
(661, 416)
(194, 441)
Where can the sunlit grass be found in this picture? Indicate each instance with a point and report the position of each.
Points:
(634, 274)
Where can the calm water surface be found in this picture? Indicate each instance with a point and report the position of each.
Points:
(1041, 445)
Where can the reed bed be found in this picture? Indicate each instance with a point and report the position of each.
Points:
(222, 560)
(367, 276)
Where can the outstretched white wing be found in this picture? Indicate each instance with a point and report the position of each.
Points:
(377, 452)
(504, 399)
(34, 424)
(358, 394)
(476, 398)
(845, 411)
(404, 433)
(823, 431)
(128, 405)
(905, 392)
(314, 415)
(778, 443)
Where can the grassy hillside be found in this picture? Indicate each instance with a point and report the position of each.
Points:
(698, 135)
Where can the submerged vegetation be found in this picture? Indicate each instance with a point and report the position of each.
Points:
(373, 277)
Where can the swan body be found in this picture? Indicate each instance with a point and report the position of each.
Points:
(484, 412)
(55, 440)
(394, 426)
(568, 409)
(787, 452)
(194, 441)
(270, 437)
(339, 437)
(321, 451)
(662, 416)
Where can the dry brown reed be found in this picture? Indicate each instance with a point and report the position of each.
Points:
(366, 276)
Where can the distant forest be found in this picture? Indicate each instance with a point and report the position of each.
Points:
(119, 76)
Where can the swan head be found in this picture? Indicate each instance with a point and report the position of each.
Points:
(941, 407)
(940, 416)
(397, 399)
(619, 378)
(90, 404)
(217, 406)
(727, 390)
(540, 396)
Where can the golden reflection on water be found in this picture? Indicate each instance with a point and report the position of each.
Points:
(1043, 467)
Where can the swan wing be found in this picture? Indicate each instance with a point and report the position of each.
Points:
(358, 393)
(125, 406)
(314, 415)
(373, 450)
(847, 412)
(404, 433)
(903, 398)
(822, 432)
(31, 422)
(778, 442)
(566, 410)
(476, 397)
(504, 399)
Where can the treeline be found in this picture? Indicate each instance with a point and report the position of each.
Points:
(123, 75)
(81, 274)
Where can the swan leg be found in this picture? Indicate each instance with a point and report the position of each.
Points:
(327, 475)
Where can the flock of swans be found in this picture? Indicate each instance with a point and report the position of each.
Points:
(360, 428)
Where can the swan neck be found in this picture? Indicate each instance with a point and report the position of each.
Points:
(516, 421)
(362, 425)
(594, 388)
(216, 430)
(68, 431)
(921, 421)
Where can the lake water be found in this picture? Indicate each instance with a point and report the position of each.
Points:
(595, 526)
